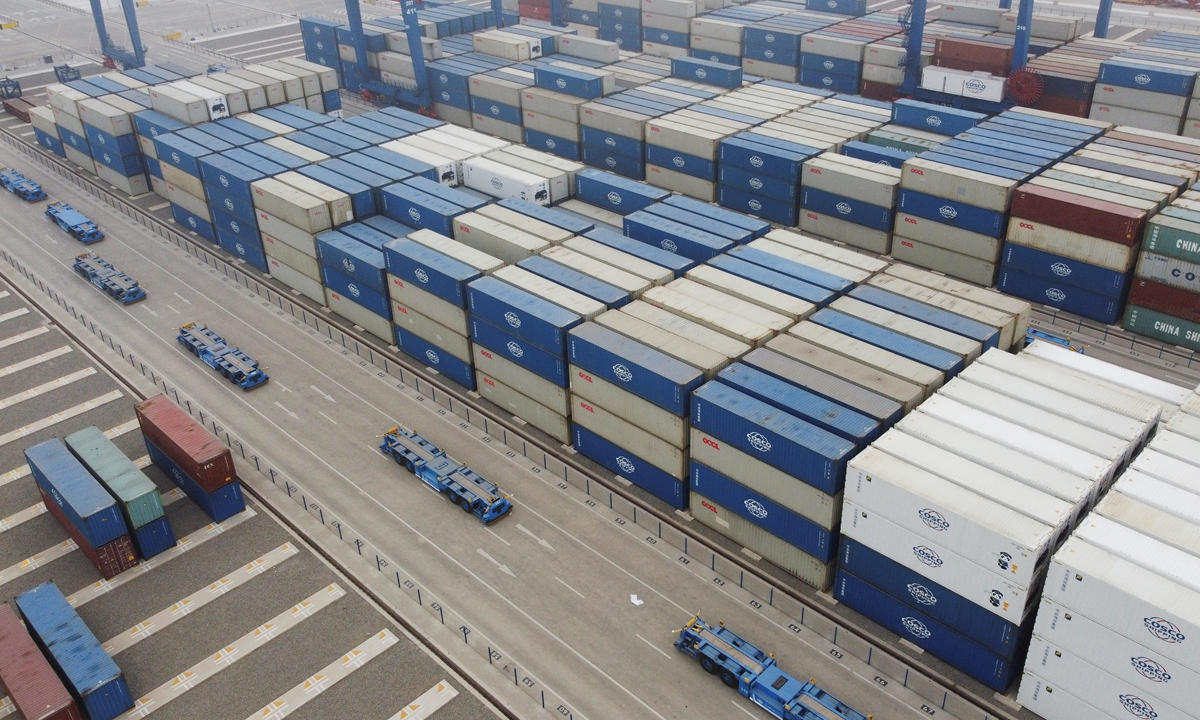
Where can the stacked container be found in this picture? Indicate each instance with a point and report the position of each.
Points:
(352, 271)
(951, 518)
(193, 459)
(621, 22)
(666, 26)
(89, 673)
(551, 110)
(613, 128)
(45, 129)
(139, 499)
(1121, 594)
(83, 507)
(33, 687)
(1148, 87)
(832, 58)
(109, 126)
(771, 47)
(851, 200)
(64, 103)
(1069, 74)
(1164, 298)
(149, 124)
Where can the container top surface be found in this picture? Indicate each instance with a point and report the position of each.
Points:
(35, 689)
(84, 662)
(181, 428)
(70, 478)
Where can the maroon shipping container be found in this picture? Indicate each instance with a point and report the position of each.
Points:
(32, 684)
(964, 54)
(18, 108)
(1077, 213)
(110, 559)
(972, 66)
(185, 441)
(533, 11)
(1063, 105)
(1166, 299)
(1156, 142)
(878, 91)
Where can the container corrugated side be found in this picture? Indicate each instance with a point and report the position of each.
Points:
(1046, 700)
(656, 274)
(1001, 596)
(924, 377)
(548, 290)
(847, 257)
(969, 186)
(1163, 391)
(84, 502)
(1019, 309)
(1139, 547)
(852, 371)
(711, 316)
(635, 410)
(522, 380)
(658, 452)
(33, 687)
(1003, 322)
(629, 364)
(749, 291)
(983, 531)
(187, 443)
(824, 382)
(134, 491)
(1171, 469)
(758, 540)
(964, 348)
(524, 407)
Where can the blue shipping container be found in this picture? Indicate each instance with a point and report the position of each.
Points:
(83, 500)
(153, 538)
(1102, 308)
(429, 270)
(937, 118)
(444, 362)
(357, 292)
(1076, 273)
(249, 249)
(546, 364)
(759, 184)
(875, 217)
(707, 72)
(702, 168)
(220, 505)
(618, 194)
(522, 314)
(353, 259)
(757, 227)
(810, 407)
(193, 222)
(791, 285)
(759, 205)
(50, 142)
(678, 264)
(417, 209)
(902, 345)
(675, 237)
(952, 212)
(631, 467)
(600, 291)
(986, 335)
(796, 269)
(632, 366)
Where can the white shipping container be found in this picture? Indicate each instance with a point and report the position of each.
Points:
(501, 241)
(948, 237)
(133, 186)
(107, 116)
(301, 151)
(594, 212)
(710, 316)
(505, 45)
(306, 265)
(1118, 655)
(65, 99)
(687, 329)
(716, 296)
(235, 97)
(852, 234)
(762, 543)
(954, 264)
(523, 407)
(926, 378)
(828, 250)
(1165, 392)
(553, 164)
(591, 267)
(290, 235)
(426, 303)
(1018, 309)
(1003, 322)
(656, 274)
(1178, 472)
(443, 337)
(588, 48)
(378, 326)
(188, 183)
(985, 532)
(560, 295)
(1169, 271)
(296, 280)
(195, 205)
(1053, 424)
(448, 133)
(341, 208)
(558, 183)
(310, 80)
(702, 358)
(267, 124)
(1186, 424)
(326, 76)
(445, 168)
(67, 122)
(1052, 702)
(503, 181)
(749, 291)
(527, 383)
(1141, 549)
(481, 261)
(271, 86)
(850, 370)
(1180, 447)
(834, 46)
(968, 186)
(170, 101)
(84, 162)
(1140, 506)
(668, 132)
(1085, 248)
(998, 595)
(786, 249)
(1149, 206)
(1033, 502)
(628, 407)
(963, 347)
(42, 118)
(216, 104)
(549, 233)
(291, 205)
(293, 86)
(682, 183)
(654, 450)
(1140, 118)
(454, 152)
(873, 184)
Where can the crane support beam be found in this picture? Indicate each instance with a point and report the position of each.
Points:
(1024, 27)
(135, 35)
(1103, 18)
(913, 44)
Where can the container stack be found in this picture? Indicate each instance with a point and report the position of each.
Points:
(64, 103)
(850, 200)
(666, 27)
(148, 125)
(760, 175)
(613, 128)
(45, 129)
(552, 121)
(87, 670)
(1069, 74)
(1146, 87)
(109, 127)
(951, 518)
(83, 507)
(832, 57)
(771, 47)
(193, 459)
(33, 686)
(1121, 593)
(352, 271)
(139, 499)
(1163, 294)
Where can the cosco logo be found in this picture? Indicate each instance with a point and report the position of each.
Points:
(755, 508)
(933, 121)
(1150, 669)
(701, 73)
(1164, 630)
(756, 161)
(678, 161)
(947, 212)
(622, 373)
(234, 226)
(1060, 269)
(756, 183)
(229, 204)
(101, 139)
(933, 519)
(561, 83)
(928, 556)
(828, 64)
(432, 357)
(512, 319)
(224, 181)
(626, 465)
(174, 155)
(445, 95)
(550, 143)
(414, 214)
(514, 349)
(975, 86)
(769, 37)
(614, 197)
(1142, 79)
(353, 289)
(1056, 295)
(422, 276)
(922, 594)
(758, 441)
(769, 54)
(755, 205)
(610, 141)
(669, 245)
(1138, 707)
(916, 628)
(495, 109)
(664, 37)
(497, 183)
(192, 221)
(843, 208)
(827, 80)
(610, 161)
(443, 78)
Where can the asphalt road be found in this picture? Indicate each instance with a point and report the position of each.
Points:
(45, 379)
(561, 607)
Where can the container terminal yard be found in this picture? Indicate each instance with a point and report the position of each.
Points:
(783, 358)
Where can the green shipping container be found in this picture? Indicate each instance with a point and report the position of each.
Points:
(1174, 238)
(139, 498)
(1163, 327)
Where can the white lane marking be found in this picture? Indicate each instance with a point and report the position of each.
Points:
(570, 588)
(430, 702)
(634, 599)
(4, 294)
(493, 533)
(21, 337)
(322, 393)
(326, 677)
(160, 206)
(185, 300)
(289, 412)
(18, 473)
(198, 599)
(195, 540)
(335, 422)
(503, 568)
(59, 417)
(33, 562)
(46, 387)
(172, 308)
(14, 314)
(35, 360)
(656, 648)
(739, 707)
(234, 651)
(539, 540)
(21, 516)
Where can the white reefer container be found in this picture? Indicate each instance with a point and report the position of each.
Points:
(1170, 469)
(998, 595)
(981, 530)
(1140, 548)
(445, 168)
(1177, 446)
(504, 181)
(216, 104)
(1165, 392)
(558, 183)
(1144, 513)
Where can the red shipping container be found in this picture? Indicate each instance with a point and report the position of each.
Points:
(878, 91)
(110, 559)
(185, 441)
(18, 108)
(534, 12)
(32, 684)
(1063, 105)
(1077, 213)
(983, 54)
(1166, 299)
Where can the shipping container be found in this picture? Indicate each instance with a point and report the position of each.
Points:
(687, 329)
(711, 316)
(1003, 321)
(34, 689)
(221, 504)
(642, 370)
(84, 502)
(810, 407)
(698, 356)
(76, 654)
(923, 376)
(200, 455)
(661, 454)
(1161, 390)
(631, 467)
(139, 498)
(521, 406)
